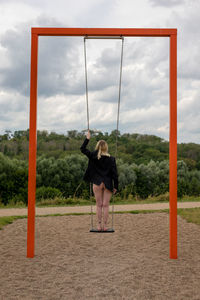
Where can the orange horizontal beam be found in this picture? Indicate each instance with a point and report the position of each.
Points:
(161, 32)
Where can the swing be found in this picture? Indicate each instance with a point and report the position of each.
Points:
(109, 230)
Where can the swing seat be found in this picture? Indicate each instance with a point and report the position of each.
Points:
(109, 230)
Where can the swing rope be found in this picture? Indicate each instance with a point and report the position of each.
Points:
(119, 95)
(118, 111)
(86, 84)
(88, 124)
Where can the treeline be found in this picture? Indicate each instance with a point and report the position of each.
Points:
(63, 177)
(132, 148)
(142, 161)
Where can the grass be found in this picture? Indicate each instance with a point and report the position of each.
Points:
(9, 220)
(191, 215)
(12, 206)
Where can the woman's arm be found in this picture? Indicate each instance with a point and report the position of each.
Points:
(83, 148)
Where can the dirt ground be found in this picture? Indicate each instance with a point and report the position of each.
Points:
(72, 263)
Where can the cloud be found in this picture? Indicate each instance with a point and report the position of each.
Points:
(168, 3)
(188, 44)
(61, 82)
(30, 2)
(61, 113)
(15, 76)
(15, 45)
(59, 69)
(13, 112)
(151, 120)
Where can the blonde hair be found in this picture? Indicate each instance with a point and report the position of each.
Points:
(102, 148)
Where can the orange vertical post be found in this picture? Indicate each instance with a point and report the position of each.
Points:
(173, 147)
(32, 147)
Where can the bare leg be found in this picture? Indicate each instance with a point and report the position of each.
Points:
(98, 192)
(106, 200)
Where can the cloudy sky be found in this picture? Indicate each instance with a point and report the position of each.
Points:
(61, 84)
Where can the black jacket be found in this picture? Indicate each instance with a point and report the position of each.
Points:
(100, 170)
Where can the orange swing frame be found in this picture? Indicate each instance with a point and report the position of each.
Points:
(106, 32)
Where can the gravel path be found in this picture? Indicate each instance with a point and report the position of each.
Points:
(40, 211)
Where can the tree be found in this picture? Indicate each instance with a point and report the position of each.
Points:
(64, 174)
(13, 179)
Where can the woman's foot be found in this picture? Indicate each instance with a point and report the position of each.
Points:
(105, 227)
(99, 228)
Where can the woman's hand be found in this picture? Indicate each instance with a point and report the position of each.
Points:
(88, 135)
(114, 191)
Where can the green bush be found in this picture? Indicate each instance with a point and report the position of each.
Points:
(159, 198)
(13, 179)
(64, 174)
(65, 201)
(48, 192)
(17, 199)
(163, 197)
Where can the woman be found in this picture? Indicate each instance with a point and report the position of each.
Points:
(101, 171)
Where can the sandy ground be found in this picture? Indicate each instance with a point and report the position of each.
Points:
(71, 263)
